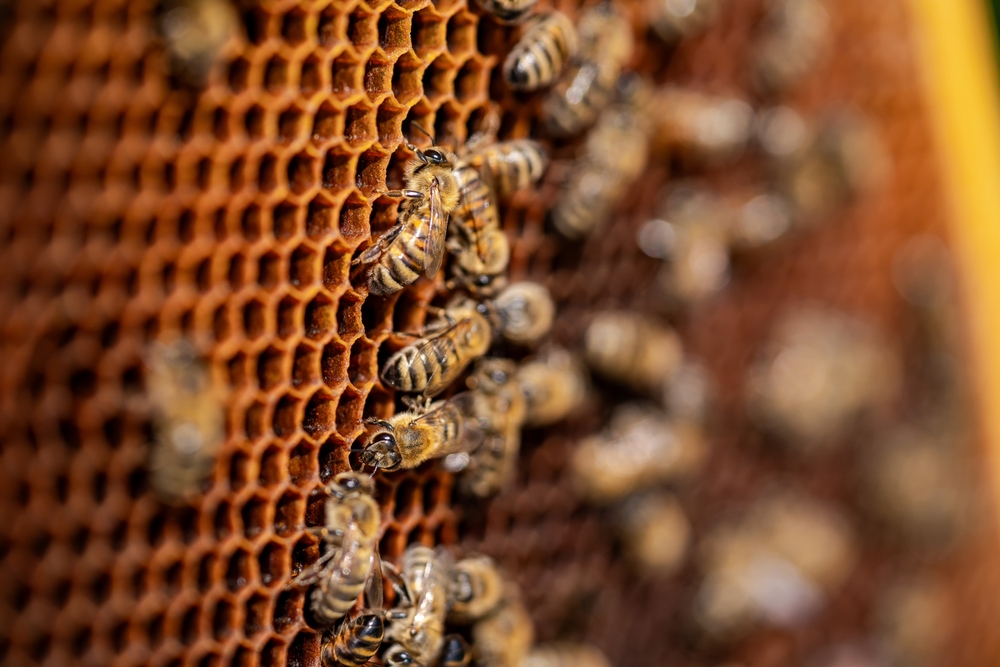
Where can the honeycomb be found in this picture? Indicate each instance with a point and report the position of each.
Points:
(132, 210)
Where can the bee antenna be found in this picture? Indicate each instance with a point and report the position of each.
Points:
(421, 128)
(372, 476)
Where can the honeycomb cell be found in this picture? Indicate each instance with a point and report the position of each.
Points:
(304, 267)
(245, 656)
(346, 76)
(189, 626)
(254, 319)
(334, 364)
(286, 416)
(338, 171)
(353, 221)
(406, 79)
(305, 366)
(350, 409)
(270, 368)
(207, 575)
(287, 611)
(274, 652)
(276, 75)
(256, 614)
(286, 221)
(303, 173)
(378, 77)
(320, 414)
(290, 124)
(267, 173)
(302, 464)
(254, 420)
(320, 317)
(253, 122)
(360, 129)
(363, 368)
(239, 75)
(269, 270)
(394, 31)
(362, 28)
(349, 323)
(461, 34)
(471, 82)
(289, 515)
(293, 27)
(311, 76)
(428, 32)
(328, 124)
(272, 561)
(239, 471)
(223, 618)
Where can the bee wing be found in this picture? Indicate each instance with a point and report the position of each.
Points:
(373, 589)
(486, 174)
(437, 231)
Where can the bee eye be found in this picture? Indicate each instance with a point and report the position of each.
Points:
(435, 156)
(499, 377)
(384, 437)
(484, 280)
(352, 483)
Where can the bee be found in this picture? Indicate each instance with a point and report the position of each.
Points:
(194, 32)
(915, 619)
(541, 54)
(416, 243)
(656, 532)
(794, 35)
(701, 126)
(560, 654)
(355, 642)
(588, 85)
(642, 447)
(476, 589)
(673, 20)
(554, 385)
(479, 246)
(188, 420)
(525, 312)
(508, 11)
(514, 164)
(418, 625)
(456, 652)
(613, 156)
(504, 637)
(350, 533)
(632, 349)
(422, 433)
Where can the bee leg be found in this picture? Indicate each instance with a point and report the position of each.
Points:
(419, 404)
(443, 314)
(377, 248)
(397, 583)
(407, 194)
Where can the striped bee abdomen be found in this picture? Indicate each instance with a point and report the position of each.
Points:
(514, 164)
(356, 642)
(541, 54)
(426, 366)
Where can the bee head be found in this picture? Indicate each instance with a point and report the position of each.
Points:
(382, 452)
(434, 156)
(348, 482)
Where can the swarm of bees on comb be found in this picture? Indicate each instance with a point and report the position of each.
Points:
(490, 373)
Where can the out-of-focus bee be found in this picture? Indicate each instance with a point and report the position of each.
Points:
(642, 447)
(500, 409)
(554, 385)
(350, 533)
(354, 643)
(701, 126)
(418, 625)
(416, 243)
(476, 589)
(606, 44)
(514, 164)
(504, 638)
(790, 42)
(422, 433)
(656, 532)
(194, 32)
(561, 654)
(632, 349)
(542, 53)
(775, 564)
(525, 312)
(613, 156)
(818, 374)
(188, 420)
(674, 19)
(456, 652)
(821, 168)
(914, 620)
(395, 654)
(442, 351)
(508, 11)
(687, 394)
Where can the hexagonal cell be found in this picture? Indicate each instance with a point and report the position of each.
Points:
(336, 268)
(362, 28)
(304, 649)
(293, 27)
(447, 123)
(267, 173)
(237, 271)
(239, 471)
(304, 553)
(320, 414)
(338, 171)
(270, 368)
(256, 614)
(407, 499)
(371, 168)
(254, 319)
(207, 572)
(302, 464)
(289, 124)
(406, 84)
(288, 612)
(428, 33)
(286, 416)
(288, 316)
(378, 76)
(255, 519)
(239, 75)
(376, 316)
(245, 656)
(276, 75)
(272, 467)
(254, 122)
(238, 570)
(350, 409)
(286, 221)
(394, 31)
(237, 174)
(471, 81)
(268, 270)
(328, 26)
(257, 22)
(349, 323)
(461, 36)
(311, 76)
(320, 320)
(359, 126)
(305, 368)
(328, 123)
(237, 370)
(289, 514)
(392, 542)
(222, 619)
(272, 561)
(250, 223)
(273, 653)
(303, 270)
(354, 214)
(334, 364)
(364, 363)
(439, 78)
(345, 76)
(189, 626)
(303, 172)
(254, 420)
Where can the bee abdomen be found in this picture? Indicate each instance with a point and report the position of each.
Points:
(331, 601)
(356, 642)
(565, 117)
(419, 366)
(515, 164)
(541, 54)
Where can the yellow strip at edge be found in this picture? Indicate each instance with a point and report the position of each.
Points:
(958, 58)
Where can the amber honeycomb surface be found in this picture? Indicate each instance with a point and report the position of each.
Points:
(131, 210)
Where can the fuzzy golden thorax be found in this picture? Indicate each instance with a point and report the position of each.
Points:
(434, 164)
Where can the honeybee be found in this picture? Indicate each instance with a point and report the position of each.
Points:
(422, 433)
(350, 534)
(507, 11)
(554, 385)
(504, 638)
(541, 54)
(418, 625)
(355, 643)
(673, 20)
(793, 37)
(701, 126)
(442, 351)
(606, 44)
(560, 654)
(613, 156)
(642, 447)
(455, 652)
(479, 246)
(632, 349)
(194, 32)
(476, 589)
(514, 164)
(656, 532)
(188, 420)
(417, 242)
(525, 312)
